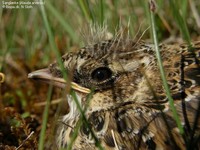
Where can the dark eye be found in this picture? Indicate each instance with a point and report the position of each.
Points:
(101, 74)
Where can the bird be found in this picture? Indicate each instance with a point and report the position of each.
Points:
(117, 99)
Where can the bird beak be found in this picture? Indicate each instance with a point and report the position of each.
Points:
(46, 76)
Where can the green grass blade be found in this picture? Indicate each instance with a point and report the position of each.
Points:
(84, 119)
(75, 134)
(54, 48)
(62, 21)
(1, 10)
(102, 5)
(52, 42)
(162, 72)
(91, 13)
(180, 21)
(45, 119)
(84, 9)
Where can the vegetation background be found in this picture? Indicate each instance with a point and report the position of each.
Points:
(34, 36)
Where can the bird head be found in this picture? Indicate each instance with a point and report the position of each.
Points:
(112, 68)
(120, 74)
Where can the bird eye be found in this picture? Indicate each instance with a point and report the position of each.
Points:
(101, 74)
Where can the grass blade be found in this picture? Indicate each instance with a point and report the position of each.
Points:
(162, 72)
(84, 9)
(180, 21)
(83, 118)
(52, 42)
(45, 119)
(62, 21)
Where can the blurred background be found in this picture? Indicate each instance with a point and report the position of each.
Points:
(25, 46)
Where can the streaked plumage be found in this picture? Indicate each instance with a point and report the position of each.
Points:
(129, 109)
